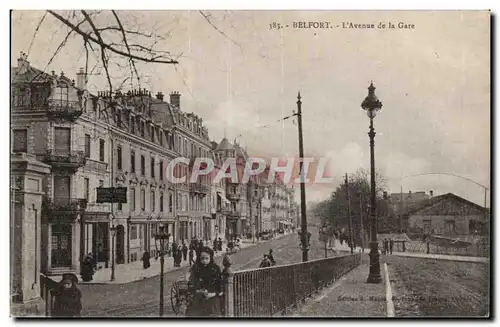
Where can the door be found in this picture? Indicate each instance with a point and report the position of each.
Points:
(62, 189)
(61, 245)
(120, 244)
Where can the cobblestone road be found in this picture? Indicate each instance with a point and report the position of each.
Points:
(141, 298)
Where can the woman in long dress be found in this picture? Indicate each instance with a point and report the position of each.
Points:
(205, 283)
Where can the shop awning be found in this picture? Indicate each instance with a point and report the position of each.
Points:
(223, 198)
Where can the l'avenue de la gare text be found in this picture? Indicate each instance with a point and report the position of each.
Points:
(381, 25)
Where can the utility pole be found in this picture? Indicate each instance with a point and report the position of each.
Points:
(304, 233)
(349, 213)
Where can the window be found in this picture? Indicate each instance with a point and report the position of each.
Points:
(143, 127)
(143, 166)
(120, 206)
(143, 200)
(160, 137)
(161, 170)
(132, 199)
(62, 93)
(20, 140)
(133, 232)
(153, 202)
(178, 201)
(152, 167)
(161, 202)
(86, 191)
(119, 159)
(152, 133)
(170, 202)
(62, 139)
(87, 146)
(132, 125)
(132, 161)
(101, 150)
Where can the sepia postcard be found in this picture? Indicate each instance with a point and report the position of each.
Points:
(285, 163)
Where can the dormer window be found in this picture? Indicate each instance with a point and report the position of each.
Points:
(62, 93)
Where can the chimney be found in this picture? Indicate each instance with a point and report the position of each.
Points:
(175, 99)
(22, 63)
(81, 79)
(159, 96)
(431, 193)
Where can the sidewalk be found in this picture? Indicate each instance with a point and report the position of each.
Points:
(130, 272)
(345, 247)
(351, 296)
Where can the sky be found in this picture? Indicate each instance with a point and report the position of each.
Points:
(433, 81)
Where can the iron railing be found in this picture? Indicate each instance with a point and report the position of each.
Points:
(276, 290)
(47, 286)
(70, 159)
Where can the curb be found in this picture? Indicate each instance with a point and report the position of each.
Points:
(220, 254)
(388, 293)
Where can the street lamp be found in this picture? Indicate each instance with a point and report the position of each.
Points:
(112, 231)
(372, 105)
(161, 237)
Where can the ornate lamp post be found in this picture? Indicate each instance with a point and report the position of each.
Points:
(161, 237)
(112, 231)
(372, 105)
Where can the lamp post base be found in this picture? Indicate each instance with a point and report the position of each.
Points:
(374, 277)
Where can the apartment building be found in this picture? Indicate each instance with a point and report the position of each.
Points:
(107, 140)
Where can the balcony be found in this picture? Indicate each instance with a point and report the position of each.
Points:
(63, 110)
(232, 213)
(199, 188)
(71, 160)
(96, 166)
(63, 207)
(233, 196)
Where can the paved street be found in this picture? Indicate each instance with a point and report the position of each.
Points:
(427, 287)
(141, 298)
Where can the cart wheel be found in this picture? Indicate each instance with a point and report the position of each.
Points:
(174, 298)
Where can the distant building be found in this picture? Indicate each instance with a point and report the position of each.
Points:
(446, 215)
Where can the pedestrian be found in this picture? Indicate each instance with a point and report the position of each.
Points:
(391, 245)
(184, 251)
(191, 257)
(87, 268)
(206, 285)
(68, 298)
(215, 245)
(271, 258)
(219, 244)
(178, 257)
(145, 260)
(174, 249)
(386, 245)
(265, 262)
(199, 247)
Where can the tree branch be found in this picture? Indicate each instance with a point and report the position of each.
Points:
(105, 45)
(131, 61)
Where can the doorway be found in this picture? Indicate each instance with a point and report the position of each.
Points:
(120, 244)
(61, 245)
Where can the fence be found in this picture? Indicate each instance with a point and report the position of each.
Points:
(47, 285)
(275, 290)
(474, 250)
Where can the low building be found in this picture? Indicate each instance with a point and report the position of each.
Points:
(447, 215)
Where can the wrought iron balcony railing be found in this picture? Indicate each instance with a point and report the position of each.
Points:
(71, 160)
(66, 110)
(64, 205)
